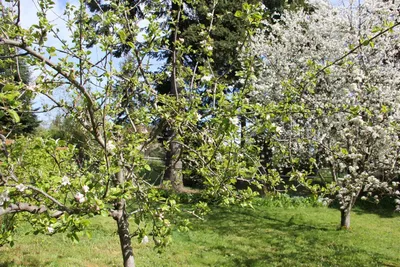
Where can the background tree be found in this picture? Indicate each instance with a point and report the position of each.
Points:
(15, 71)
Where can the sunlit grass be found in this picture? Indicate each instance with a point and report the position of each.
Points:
(265, 236)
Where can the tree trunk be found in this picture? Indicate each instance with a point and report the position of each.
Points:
(120, 216)
(345, 219)
(242, 131)
(173, 163)
(345, 214)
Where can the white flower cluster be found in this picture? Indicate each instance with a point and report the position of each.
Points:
(79, 197)
(65, 181)
(20, 187)
(4, 197)
(234, 120)
(207, 78)
(354, 106)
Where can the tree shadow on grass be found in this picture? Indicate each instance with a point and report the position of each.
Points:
(30, 261)
(261, 239)
(14, 264)
(384, 209)
(7, 264)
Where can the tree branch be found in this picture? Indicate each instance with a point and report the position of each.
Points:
(26, 207)
(55, 201)
(357, 47)
(69, 76)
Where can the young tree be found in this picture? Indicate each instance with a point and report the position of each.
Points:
(41, 180)
(340, 112)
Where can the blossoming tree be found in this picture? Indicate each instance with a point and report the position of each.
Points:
(41, 180)
(334, 72)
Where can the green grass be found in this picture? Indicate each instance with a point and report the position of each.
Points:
(266, 236)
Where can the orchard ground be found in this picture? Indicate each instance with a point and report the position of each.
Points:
(274, 233)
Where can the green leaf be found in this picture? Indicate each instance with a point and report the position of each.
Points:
(147, 167)
(122, 35)
(51, 50)
(365, 43)
(238, 14)
(371, 44)
(8, 87)
(14, 115)
(376, 29)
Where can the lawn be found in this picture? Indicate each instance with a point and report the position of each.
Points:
(265, 236)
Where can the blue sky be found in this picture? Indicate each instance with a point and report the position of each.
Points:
(28, 17)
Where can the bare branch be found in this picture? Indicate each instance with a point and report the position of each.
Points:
(14, 56)
(26, 207)
(55, 201)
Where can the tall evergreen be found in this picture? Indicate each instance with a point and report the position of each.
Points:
(16, 72)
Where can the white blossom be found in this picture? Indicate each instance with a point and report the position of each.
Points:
(4, 197)
(80, 197)
(50, 229)
(197, 117)
(234, 120)
(65, 181)
(110, 146)
(20, 187)
(206, 78)
(145, 240)
(85, 188)
(31, 87)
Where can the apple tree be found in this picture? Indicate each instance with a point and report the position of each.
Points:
(41, 179)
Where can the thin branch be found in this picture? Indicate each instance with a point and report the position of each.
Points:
(14, 56)
(194, 214)
(174, 83)
(356, 48)
(55, 201)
